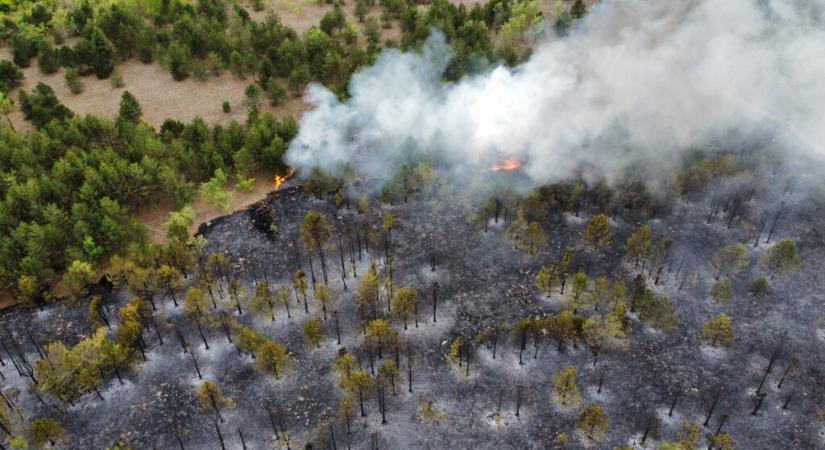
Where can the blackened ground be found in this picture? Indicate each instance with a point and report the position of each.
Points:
(483, 282)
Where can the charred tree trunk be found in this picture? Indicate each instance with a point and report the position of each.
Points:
(435, 300)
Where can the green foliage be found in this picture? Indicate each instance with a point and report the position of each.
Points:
(73, 81)
(226, 107)
(597, 232)
(315, 230)
(525, 16)
(129, 108)
(372, 30)
(244, 184)
(275, 92)
(404, 303)
(102, 54)
(44, 430)
(640, 244)
(730, 259)
(566, 388)
(273, 357)
(547, 278)
(179, 61)
(211, 396)
(759, 288)
(116, 79)
(782, 258)
(6, 107)
(70, 373)
(77, 279)
(48, 59)
(722, 290)
(593, 422)
(701, 170)
(93, 251)
(314, 332)
(177, 227)
(214, 190)
(25, 43)
(41, 106)
(657, 311)
(361, 9)
(717, 332)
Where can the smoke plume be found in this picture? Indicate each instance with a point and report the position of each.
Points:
(634, 82)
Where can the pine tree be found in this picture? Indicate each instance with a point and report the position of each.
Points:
(566, 388)
(102, 53)
(129, 108)
(593, 422)
(717, 332)
(597, 232)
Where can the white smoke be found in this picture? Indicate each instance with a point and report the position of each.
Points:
(636, 81)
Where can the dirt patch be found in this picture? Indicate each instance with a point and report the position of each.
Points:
(301, 15)
(160, 96)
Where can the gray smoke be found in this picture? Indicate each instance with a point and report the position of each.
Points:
(635, 82)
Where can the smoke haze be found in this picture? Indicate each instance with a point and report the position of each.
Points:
(634, 82)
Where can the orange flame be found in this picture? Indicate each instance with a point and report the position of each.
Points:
(279, 180)
(506, 166)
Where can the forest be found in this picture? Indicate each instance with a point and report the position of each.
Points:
(670, 309)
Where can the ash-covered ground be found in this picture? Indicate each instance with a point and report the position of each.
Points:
(482, 281)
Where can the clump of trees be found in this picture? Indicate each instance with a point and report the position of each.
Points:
(68, 373)
(66, 207)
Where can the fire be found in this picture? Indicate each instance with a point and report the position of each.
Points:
(506, 166)
(279, 180)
